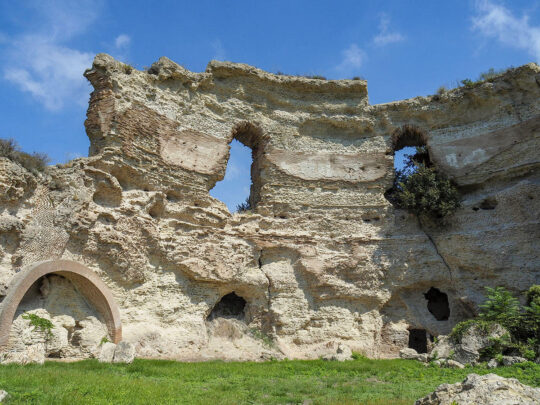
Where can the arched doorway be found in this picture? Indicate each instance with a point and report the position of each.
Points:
(87, 282)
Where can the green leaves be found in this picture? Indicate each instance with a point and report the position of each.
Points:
(421, 189)
(501, 307)
(39, 323)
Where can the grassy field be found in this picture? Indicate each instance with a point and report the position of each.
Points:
(360, 381)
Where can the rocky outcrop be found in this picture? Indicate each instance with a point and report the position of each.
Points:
(323, 259)
(468, 348)
(486, 389)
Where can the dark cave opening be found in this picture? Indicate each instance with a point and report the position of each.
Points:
(418, 340)
(229, 306)
(438, 304)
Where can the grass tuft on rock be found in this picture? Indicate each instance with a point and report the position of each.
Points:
(35, 162)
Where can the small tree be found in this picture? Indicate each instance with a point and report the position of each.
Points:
(501, 307)
(421, 189)
(245, 206)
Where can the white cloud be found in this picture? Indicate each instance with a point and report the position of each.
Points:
(385, 36)
(496, 21)
(353, 59)
(219, 50)
(232, 172)
(42, 64)
(122, 41)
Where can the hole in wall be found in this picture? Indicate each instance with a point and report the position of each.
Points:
(240, 189)
(229, 306)
(408, 143)
(234, 189)
(438, 304)
(418, 340)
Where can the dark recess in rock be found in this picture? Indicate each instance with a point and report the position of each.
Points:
(438, 304)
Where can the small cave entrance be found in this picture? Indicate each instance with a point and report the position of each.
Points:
(438, 304)
(418, 340)
(230, 306)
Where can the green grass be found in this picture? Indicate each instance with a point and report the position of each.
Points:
(360, 381)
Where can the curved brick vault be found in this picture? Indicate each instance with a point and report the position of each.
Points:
(87, 282)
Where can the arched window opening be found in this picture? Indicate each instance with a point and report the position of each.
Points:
(418, 186)
(230, 306)
(410, 152)
(234, 189)
(239, 189)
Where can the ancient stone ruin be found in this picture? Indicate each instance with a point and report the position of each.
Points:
(128, 244)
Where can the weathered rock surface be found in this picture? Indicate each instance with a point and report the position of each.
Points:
(342, 353)
(34, 353)
(106, 355)
(323, 259)
(3, 395)
(411, 354)
(487, 389)
(511, 360)
(124, 352)
(468, 349)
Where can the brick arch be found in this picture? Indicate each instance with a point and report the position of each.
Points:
(87, 282)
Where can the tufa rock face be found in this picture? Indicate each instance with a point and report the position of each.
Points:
(486, 389)
(324, 258)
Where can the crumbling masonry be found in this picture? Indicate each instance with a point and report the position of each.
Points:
(322, 259)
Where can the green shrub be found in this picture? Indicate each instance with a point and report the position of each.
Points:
(501, 307)
(31, 162)
(523, 323)
(421, 189)
(533, 294)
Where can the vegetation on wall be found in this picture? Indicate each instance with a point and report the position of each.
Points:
(422, 190)
(245, 206)
(522, 322)
(31, 162)
(39, 323)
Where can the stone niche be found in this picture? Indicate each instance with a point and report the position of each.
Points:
(322, 259)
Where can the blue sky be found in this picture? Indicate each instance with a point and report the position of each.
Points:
(403, 49)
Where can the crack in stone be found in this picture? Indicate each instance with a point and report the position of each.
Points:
(436, 248)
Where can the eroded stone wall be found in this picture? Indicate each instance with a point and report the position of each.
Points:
(324, 257)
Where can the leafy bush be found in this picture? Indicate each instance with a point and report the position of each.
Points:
(421, 189)
(31, 162)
